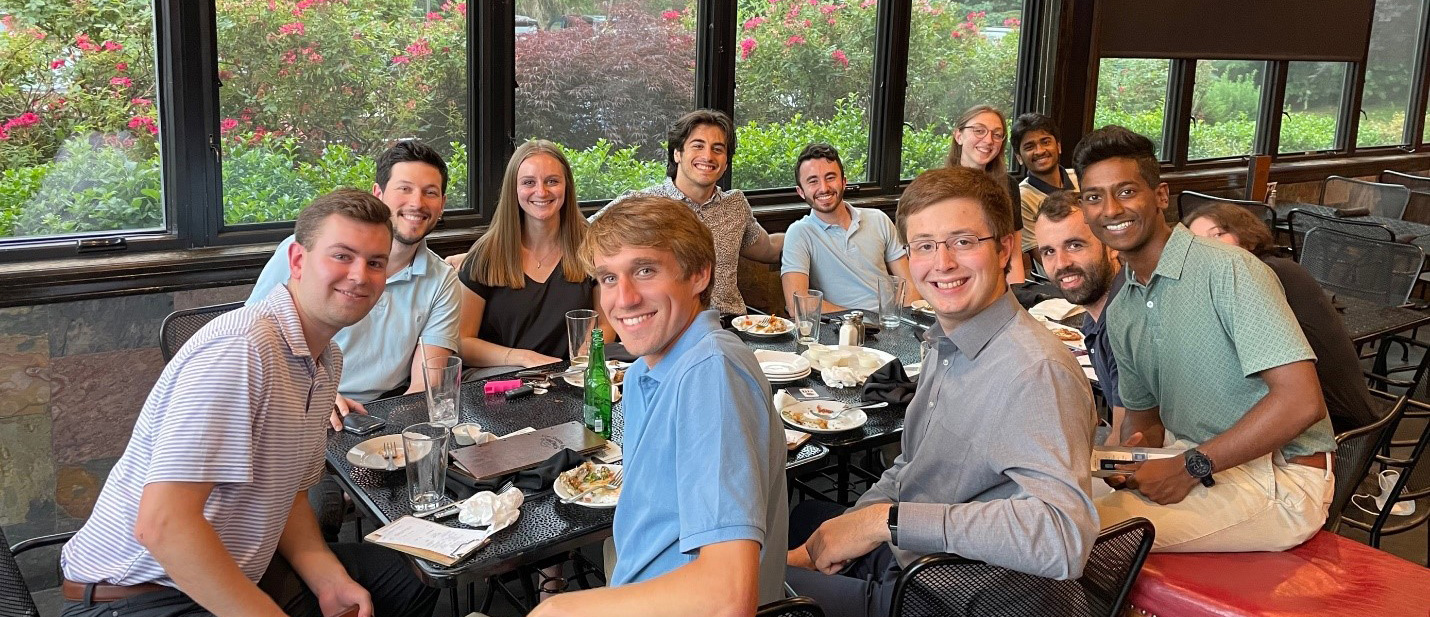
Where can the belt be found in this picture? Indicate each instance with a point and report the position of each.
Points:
(103, 592)
(1317, 460)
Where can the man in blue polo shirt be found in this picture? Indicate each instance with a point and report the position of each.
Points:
(838, 249)
(702, 525)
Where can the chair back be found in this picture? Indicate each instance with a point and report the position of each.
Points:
(1301, 221)
(179, 326)
(15, 598)
(1188, 202)
(1372, 270)
(941, 584)
(1412, 182)
(1355, 449)
(798, 606)
(1383, 200)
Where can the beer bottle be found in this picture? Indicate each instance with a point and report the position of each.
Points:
(596, 411)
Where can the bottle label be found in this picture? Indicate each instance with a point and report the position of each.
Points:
(600, 426)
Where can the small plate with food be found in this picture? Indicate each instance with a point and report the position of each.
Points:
(1070, 337)
(762, 325)
(584, 476)
(616, 368)
(804, 416)
(369, 453)
(922, 306)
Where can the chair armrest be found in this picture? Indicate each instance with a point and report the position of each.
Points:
(41, 541)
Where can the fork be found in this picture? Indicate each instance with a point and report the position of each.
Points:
(846, 407)
(612, 484)
(389, 452)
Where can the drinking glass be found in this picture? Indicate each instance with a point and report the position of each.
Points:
(424, 445)
(891, 300)
(444, 388)
(808, 306)
(578, 335)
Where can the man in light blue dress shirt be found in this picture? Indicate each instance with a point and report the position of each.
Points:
(420, 304)
(701, 529)
(838, 249)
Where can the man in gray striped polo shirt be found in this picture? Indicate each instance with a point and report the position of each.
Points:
(206, 512)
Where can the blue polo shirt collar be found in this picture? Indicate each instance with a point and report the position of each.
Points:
(417, 268)
(854, 217)
(705, 322)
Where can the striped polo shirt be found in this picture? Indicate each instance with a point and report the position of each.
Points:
(243, 405)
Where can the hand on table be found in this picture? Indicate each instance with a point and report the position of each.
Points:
(847, 537)
(342, 407)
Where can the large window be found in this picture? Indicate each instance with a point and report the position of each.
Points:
(960, 55)
(1314, 91)
(604, 80)
(1225, 102)
(1389, 72)
(79, 148)
(802, 75)
(1132, 92)
(312, 92)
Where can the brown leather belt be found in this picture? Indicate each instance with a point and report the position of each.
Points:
(104, 592)
(1317, 460)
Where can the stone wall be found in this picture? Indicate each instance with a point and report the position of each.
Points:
(73, 377)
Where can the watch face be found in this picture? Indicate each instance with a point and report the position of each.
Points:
(1198, 465)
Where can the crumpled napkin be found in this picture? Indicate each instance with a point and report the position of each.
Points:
(840, 367)
(783, 399)
(488, 508)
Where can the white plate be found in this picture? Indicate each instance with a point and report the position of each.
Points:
(579, 379)
(369, 453)
(789, 378)
(1076, 343)
(781, 364)
(922, 306)
(598, 499)
(820, 360)
(747, 323)
(851, 419)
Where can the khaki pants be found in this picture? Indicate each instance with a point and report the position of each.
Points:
(1263, 505)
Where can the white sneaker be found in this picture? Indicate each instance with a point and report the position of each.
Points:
(1387, 481)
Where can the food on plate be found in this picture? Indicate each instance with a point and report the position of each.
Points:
(806, 419)
(618, 375)
(764, 324)
(585, 476)
(1067, 334)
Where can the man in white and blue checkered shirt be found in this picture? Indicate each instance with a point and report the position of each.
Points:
(206, 512)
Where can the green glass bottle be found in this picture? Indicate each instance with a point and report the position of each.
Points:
(596, 412)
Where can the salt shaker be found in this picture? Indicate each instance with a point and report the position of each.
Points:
(851, 332)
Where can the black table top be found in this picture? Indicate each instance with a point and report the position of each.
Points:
(1367, 321)
(546, 527)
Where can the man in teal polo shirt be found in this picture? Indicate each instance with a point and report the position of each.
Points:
(1208, 351)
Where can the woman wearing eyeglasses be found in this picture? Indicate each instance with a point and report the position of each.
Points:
(978, 144)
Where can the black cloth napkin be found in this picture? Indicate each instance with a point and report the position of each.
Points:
(617, 352)
(1349, 212)
(889, 384)
(536, 479)
(1030, 293)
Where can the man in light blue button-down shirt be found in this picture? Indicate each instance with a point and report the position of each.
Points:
(420, 304)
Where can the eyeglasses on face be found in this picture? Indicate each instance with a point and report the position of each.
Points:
(981, 131)
(958, 244)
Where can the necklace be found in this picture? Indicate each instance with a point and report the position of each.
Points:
(541, 261)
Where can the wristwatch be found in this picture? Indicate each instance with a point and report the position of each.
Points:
(1199, 466)
(894, 524)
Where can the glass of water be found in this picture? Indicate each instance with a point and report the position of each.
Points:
(424, 446)
(808, 306)
(444, 389)
(578, 335)
(891, 300)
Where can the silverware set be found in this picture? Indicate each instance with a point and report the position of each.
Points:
(389, 452)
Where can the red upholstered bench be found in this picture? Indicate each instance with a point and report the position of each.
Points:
(1328, 575)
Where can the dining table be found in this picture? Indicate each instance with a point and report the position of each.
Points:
(546, 527)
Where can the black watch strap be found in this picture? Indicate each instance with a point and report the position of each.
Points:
(1199, 466)
(894, 524)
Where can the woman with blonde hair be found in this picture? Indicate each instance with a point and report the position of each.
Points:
(978, 143)
(523, 274)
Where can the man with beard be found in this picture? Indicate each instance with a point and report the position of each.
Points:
(420, 304)
(1089, 275)
(1208, 351)
(1036, 144)
(839, 249)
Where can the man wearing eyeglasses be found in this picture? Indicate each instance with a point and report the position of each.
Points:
(996, 440)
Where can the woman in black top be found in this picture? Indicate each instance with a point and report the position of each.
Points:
(1337, 365)
(978, 143)
(523, 275)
